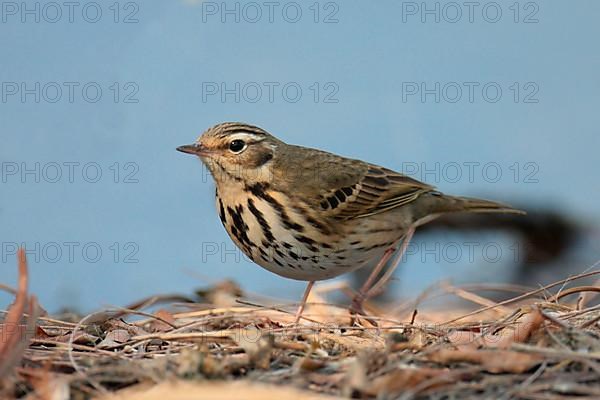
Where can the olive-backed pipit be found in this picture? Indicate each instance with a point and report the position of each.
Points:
(310, 215)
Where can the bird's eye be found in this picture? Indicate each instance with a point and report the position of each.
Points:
(237, 145)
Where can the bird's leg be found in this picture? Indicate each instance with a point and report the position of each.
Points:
(362, 294)
(369, 289)
(379, 286)
(303, 302)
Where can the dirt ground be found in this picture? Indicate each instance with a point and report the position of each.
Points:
(222, 344)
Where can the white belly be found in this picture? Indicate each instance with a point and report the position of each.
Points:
(287, 245)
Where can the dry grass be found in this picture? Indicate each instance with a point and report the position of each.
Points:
(542, 344)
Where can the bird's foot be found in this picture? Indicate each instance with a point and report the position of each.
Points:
(357, 311)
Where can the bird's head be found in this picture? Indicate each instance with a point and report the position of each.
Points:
(234, 150)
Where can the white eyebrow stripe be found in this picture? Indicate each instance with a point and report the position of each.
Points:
(246, 137)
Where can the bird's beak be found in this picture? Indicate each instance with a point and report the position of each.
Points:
(195, 148)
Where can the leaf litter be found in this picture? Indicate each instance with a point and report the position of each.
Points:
(223, 344)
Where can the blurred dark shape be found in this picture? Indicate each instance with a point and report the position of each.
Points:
(546, 235)
(547, 238)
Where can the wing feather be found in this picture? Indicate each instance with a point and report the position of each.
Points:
(339, 187)
(377, 190)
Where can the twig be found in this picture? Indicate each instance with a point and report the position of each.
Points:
(524, 295)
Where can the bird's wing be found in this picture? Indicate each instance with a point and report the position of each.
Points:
(345, 188)
(378, 190)
(375, 191)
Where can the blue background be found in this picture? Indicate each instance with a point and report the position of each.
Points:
(367, 54)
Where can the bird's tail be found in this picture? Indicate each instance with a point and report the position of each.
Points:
(439, 203)
(471, 204)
